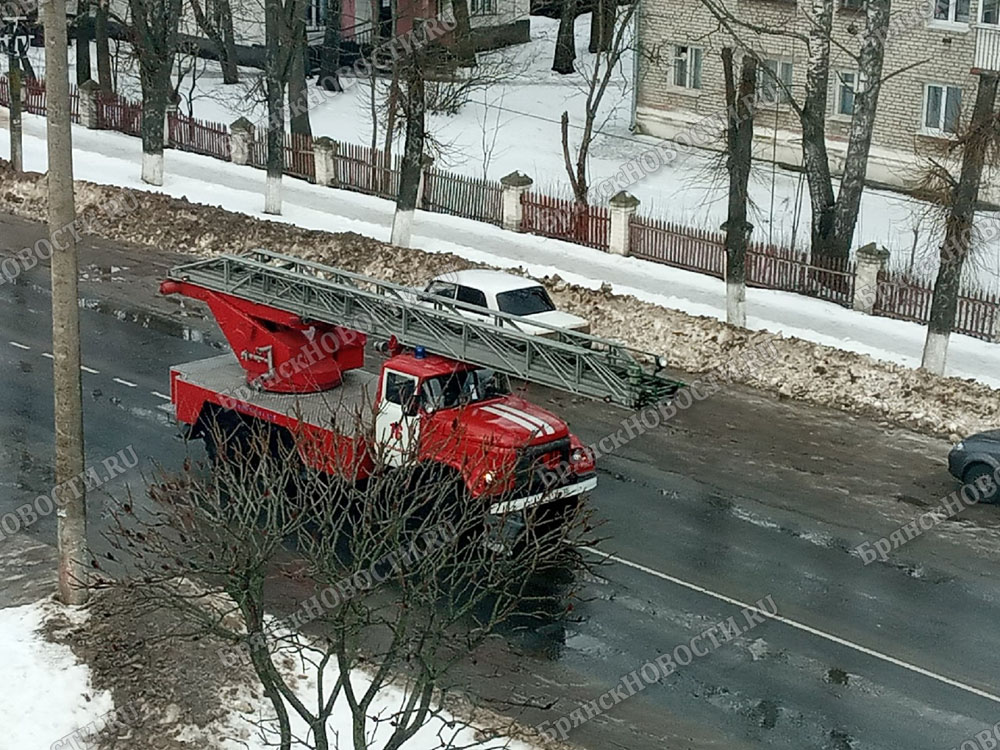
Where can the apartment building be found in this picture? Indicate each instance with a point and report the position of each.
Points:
(929, 84)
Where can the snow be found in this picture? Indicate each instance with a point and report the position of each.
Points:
(513, 125)
(238, 733)
(53, 696)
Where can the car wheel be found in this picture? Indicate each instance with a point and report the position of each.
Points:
(975, 474)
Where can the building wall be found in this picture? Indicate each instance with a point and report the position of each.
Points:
(918, 51)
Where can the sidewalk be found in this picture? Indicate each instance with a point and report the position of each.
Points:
(112, 158)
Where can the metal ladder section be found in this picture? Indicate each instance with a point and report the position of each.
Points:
(574, 362)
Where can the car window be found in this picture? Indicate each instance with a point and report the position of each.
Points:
(528, 301)
(458, 388)
(471, 296)
(441, 288)
(399, 388)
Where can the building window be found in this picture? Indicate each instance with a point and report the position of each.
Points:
(775, 82)
(847, 88)
(952, 11)
(687, 66)
(990, 12)
(483, 7)
(315, 13)
(942, 106)
(852, 4)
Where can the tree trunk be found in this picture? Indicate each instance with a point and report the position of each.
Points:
(103, 46)
(84, 32)
(298, 92)
(156, 91)
(413, 152)
(465, 50)
(565, 39)
(958, 227)
(275, 146)
(852, 184)
(16, 126)
(69, 459)
(227, 50)
(329, 57)
(602, 25)
(815, 159)
(739, 143)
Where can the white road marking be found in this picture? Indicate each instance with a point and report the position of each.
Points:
(125, 382)
(47, 355)
(804, 628)
(164, 396)
(91, 370)
(19, 346)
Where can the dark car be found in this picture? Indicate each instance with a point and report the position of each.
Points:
(975, 457)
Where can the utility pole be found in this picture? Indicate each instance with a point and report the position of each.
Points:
(72, 514)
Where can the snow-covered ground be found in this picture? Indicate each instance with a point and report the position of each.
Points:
(50, 702)
(47, 693)
(514, 125)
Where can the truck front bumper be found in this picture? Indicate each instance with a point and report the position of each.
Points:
(584, 484)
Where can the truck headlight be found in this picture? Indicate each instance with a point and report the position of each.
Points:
(959, 446)
(488, 477)
(578, 455)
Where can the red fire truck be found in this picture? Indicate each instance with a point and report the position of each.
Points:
(299, 330)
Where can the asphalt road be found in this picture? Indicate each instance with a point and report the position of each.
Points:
(740, 497)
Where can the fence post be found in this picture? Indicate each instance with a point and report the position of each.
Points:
(871, 260)
(513, 188)
(325, 154)
(89, 91)
(426, 162)
(240, 138)
(172, 109)
(623, 207)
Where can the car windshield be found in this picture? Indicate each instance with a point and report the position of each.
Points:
(460, 388)
(528, 301)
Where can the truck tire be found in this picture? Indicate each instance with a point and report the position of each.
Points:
(982, 474)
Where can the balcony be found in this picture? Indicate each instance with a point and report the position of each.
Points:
(987, 48)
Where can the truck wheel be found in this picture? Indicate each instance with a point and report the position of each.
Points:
(981, 475)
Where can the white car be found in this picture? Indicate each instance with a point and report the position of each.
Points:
(516, 295)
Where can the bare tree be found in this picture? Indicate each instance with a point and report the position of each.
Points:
(834, 214)
(739, 158)
(284, 27)
(84, 28)
(596, 82)
(14, 37)
(329, 57)
(154, 40)
(565, 54)
(415, 110)
(101, 18)
(977, 146)
(411, 575)
(298, 91)
(465, 49)
(215, 19)
(72, 516)
(602, 25)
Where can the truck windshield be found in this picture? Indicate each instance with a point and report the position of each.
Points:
(528, 301)
(460, 388)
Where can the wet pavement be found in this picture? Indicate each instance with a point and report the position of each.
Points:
(739, 497)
